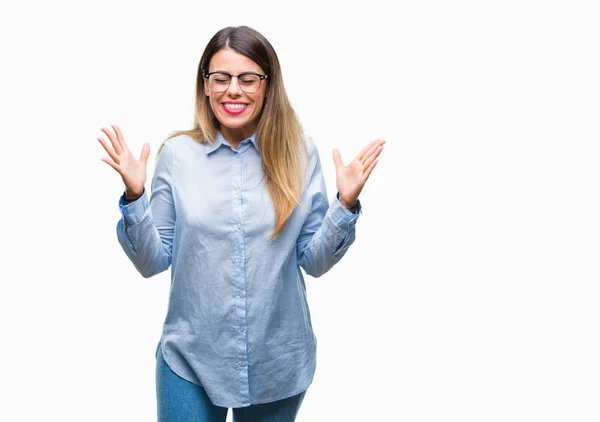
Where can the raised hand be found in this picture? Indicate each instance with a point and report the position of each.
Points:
(351, 179)
(132, 171)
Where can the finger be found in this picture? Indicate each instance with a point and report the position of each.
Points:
(368, 160)
(369, 153)
(120, 137)
(369, 170)
(113, 140)
(372, 147)
(360, 155)
(110, 163)
(109, 150)
(337, 158)
(145, 153)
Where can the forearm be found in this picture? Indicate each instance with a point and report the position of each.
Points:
(141, 240)
(331, 241)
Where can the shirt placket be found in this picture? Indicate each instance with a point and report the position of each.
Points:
(240, 274)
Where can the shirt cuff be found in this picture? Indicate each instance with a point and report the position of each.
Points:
(134, 212)
(342, 216)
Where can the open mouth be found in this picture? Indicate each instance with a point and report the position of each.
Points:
(232, 108)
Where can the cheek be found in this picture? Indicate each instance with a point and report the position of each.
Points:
(260, 102)
(213, 101)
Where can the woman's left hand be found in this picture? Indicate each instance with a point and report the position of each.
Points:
(351, 179)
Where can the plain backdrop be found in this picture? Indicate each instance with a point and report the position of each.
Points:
(472, 290)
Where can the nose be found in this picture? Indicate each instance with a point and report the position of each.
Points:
(234, 87)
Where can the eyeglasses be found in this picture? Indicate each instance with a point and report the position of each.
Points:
(248, 81)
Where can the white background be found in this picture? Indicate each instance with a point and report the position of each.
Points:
(472, 291)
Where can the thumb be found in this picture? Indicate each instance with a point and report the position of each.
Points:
(337, 158)
(145, 153)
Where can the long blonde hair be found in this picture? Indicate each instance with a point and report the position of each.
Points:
(279, 133)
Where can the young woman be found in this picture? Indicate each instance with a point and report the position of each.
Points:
(238, 206)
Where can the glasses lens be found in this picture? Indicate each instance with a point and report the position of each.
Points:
(219, 82)
(249, 83)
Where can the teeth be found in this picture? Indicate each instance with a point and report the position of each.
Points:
(235, 106)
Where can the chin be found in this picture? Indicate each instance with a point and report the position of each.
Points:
(235, 124)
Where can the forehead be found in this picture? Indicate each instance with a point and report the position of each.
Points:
(228, 60)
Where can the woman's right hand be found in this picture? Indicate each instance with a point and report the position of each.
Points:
(132, 171)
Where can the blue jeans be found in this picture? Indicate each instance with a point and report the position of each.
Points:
(179, 400)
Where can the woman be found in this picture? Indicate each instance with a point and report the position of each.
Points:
(238, 206)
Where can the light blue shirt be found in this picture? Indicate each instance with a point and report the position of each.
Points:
(238, 322)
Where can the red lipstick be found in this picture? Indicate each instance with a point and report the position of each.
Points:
(236, 111)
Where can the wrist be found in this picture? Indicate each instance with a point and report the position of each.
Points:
(349, 205)
(133, 195)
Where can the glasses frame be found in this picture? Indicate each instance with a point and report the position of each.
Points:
(261, 78)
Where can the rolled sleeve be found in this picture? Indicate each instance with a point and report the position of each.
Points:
(134, 212)
(344, 222)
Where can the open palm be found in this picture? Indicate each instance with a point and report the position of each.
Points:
(132, 171)
(351, 179)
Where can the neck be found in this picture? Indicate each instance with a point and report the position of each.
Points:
(236, 135)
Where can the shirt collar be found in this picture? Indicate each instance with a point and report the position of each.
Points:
(220, 140)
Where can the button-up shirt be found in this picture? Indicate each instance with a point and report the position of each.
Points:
(238, 321)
